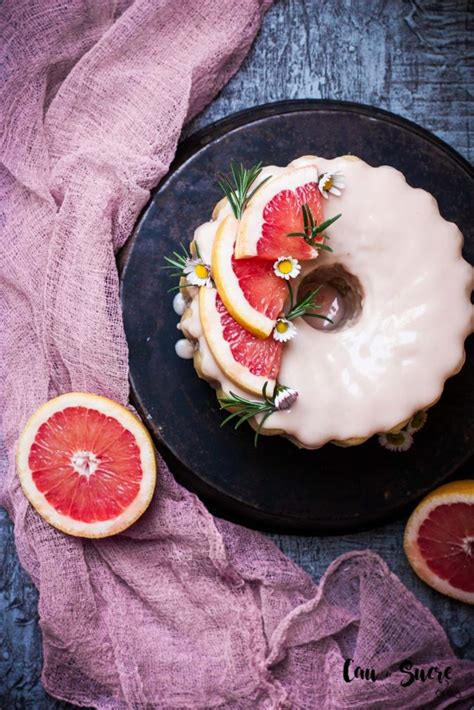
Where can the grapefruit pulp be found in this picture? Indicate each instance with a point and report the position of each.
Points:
(244, 358)
(250, 290)
(275, 211)
(86, 464)
(439, 540)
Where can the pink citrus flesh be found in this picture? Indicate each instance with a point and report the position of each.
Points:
(439, 540)
(265, 291)
(261, 357)
(283, 215)
(247, 360)
(446, 541)
(274, 211)
(249, 288)
(87, 465)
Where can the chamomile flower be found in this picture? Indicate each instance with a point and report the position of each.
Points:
(284, 330)
(197, 273)
(286, 267)
(396, 442)
(417, 422)
(284, 397)
(331, 183)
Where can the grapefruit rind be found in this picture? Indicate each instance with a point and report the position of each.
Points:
(228, 286)
(221, 206)
(250, 226)
(220, 348)
(454, 492)
(130, 422)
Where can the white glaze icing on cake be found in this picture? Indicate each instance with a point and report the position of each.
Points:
(184, 349)
(179, 304)
(393, 358)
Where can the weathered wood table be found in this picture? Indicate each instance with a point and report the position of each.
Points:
(409, 57)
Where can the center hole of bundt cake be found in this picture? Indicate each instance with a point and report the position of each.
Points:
(339, 297)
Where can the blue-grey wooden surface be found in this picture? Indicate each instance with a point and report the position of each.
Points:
(412, 57)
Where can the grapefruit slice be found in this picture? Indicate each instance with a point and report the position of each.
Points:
(275, 211)
(439, 540)
(245, 359)
(86, 464)
(249, 289)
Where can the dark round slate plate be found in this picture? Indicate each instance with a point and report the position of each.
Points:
(277, 486)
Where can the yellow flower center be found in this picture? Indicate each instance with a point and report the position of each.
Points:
(201, 271)
(328, 183)
(281, 326)
(285, 266)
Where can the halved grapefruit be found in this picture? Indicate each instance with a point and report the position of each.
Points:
(249, 289)
(86, 464)
(439, 540)
(275, 211)
(245, 359)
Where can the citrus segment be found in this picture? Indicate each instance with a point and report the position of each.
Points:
(86, 464)
(244, 358)
(251, 292)
(276, 211)
(439, 540)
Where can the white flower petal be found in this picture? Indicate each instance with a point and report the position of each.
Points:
(195, 280)
(288, 334)
(331, 183)
(190, 273)
(282, 276)
(191, 264)
(294, 271)
(285, 397)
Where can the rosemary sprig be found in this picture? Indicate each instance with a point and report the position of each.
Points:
(311, 230)
(305, 307)
(244, 409)
(237, 189)
(177, 263)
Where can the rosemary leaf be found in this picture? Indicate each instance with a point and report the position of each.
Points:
(245, 409)
(311, 230)
(320, 245)
(177, 263)
(318, 315)
(304, 307)
(259, 428)
(297, 234)
(177, 288)
(249, 197)
(324, 225)
(237, 188)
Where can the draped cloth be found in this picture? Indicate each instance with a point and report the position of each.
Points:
(182, 610)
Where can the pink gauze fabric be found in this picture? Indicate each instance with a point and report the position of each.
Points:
(182, 610)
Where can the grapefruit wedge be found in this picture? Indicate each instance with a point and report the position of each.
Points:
(86, 464)
(245, 359)
(275, 211)
(249, 289)
(439, 540)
